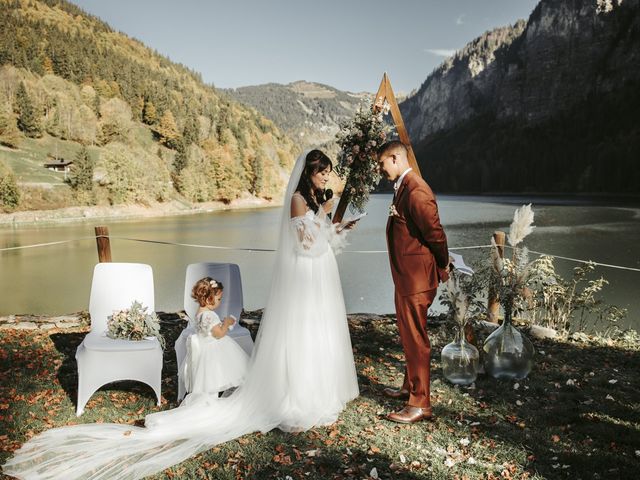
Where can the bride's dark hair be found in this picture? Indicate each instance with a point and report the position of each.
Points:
(315, 162)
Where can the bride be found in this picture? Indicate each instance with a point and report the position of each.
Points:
(301, 373)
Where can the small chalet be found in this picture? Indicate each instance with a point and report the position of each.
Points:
(59, 165)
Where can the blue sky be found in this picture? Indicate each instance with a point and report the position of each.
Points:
(347, 44)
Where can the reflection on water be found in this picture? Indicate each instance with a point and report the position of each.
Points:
(56, 279)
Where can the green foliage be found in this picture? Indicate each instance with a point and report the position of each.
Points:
(9, 193)
(81, 174)
(9, 134)
(28, 120)
(257, 181)
(133, 175)
(190, 133)
(573, 304)
(194, 180)
(181, 160)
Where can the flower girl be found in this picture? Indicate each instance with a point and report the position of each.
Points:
(214, 362)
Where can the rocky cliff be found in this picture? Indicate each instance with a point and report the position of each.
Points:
(551, 83)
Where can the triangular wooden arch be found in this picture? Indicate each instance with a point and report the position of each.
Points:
(385, 92)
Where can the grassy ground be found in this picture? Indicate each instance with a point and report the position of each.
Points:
(576, 416)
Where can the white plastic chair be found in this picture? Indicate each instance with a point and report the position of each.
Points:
(103, 360)
(231, 304)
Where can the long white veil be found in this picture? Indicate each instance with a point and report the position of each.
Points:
(263, 402)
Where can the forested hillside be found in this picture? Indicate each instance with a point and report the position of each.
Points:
(310, 113)
(137, 127)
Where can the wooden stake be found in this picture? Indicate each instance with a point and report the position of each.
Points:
(104, 246)
(493, 302)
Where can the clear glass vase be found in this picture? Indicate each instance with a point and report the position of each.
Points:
(460, 360)
(507, 352)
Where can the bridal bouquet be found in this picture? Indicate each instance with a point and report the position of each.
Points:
(134, 324)
(358, 141)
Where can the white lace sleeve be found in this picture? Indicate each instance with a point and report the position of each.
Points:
(206, 322)
(314, 234)
(310, 238)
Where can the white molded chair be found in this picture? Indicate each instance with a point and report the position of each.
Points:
(103, 360)
(232, 303)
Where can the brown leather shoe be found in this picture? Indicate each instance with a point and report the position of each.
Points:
(410, 414)
(396, 393)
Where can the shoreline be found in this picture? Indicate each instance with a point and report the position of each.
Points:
(80, 214)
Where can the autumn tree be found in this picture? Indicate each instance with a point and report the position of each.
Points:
(47, 66)
(149, 115)
(168, 130)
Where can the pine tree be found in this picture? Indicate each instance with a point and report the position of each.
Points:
(257, 183)
(9, 193)
(190, 133)
(28, 121)
(168, 130)
(9, 134)
(81, 175)
(181, 159)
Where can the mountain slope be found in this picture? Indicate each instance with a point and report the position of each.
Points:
(546, 105)
(86, 84)
(310, 113)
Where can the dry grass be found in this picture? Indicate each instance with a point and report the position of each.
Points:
(576, 416)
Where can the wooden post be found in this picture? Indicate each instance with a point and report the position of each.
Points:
(385, 92)
(493, 302)
(104, 246)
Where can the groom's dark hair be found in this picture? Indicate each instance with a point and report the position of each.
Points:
(391, 145)
(315, 161)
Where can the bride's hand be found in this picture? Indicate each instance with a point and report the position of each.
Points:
(229, 321)
(347, 226)
(328, 205)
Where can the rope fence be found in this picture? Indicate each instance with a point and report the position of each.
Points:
(240, 249)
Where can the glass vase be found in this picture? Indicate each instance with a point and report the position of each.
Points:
(460, 360)
(507, 352)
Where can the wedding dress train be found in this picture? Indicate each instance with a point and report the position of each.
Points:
(301, 374)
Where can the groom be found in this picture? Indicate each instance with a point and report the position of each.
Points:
(419, 258)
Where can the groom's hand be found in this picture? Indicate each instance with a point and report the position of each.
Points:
(443, 274)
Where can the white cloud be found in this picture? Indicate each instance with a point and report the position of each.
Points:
(440, 52)
(459, 20)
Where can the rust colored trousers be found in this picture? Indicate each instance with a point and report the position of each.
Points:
(411, 312)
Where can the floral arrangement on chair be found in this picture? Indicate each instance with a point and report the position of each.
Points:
(358, 140)
(134, 324)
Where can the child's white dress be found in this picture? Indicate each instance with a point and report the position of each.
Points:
(212, 364)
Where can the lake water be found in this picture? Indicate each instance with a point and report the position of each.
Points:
(56, 279)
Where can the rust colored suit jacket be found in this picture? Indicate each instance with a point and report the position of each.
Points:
(416, 241)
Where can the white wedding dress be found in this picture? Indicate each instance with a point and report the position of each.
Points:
(301, 374)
